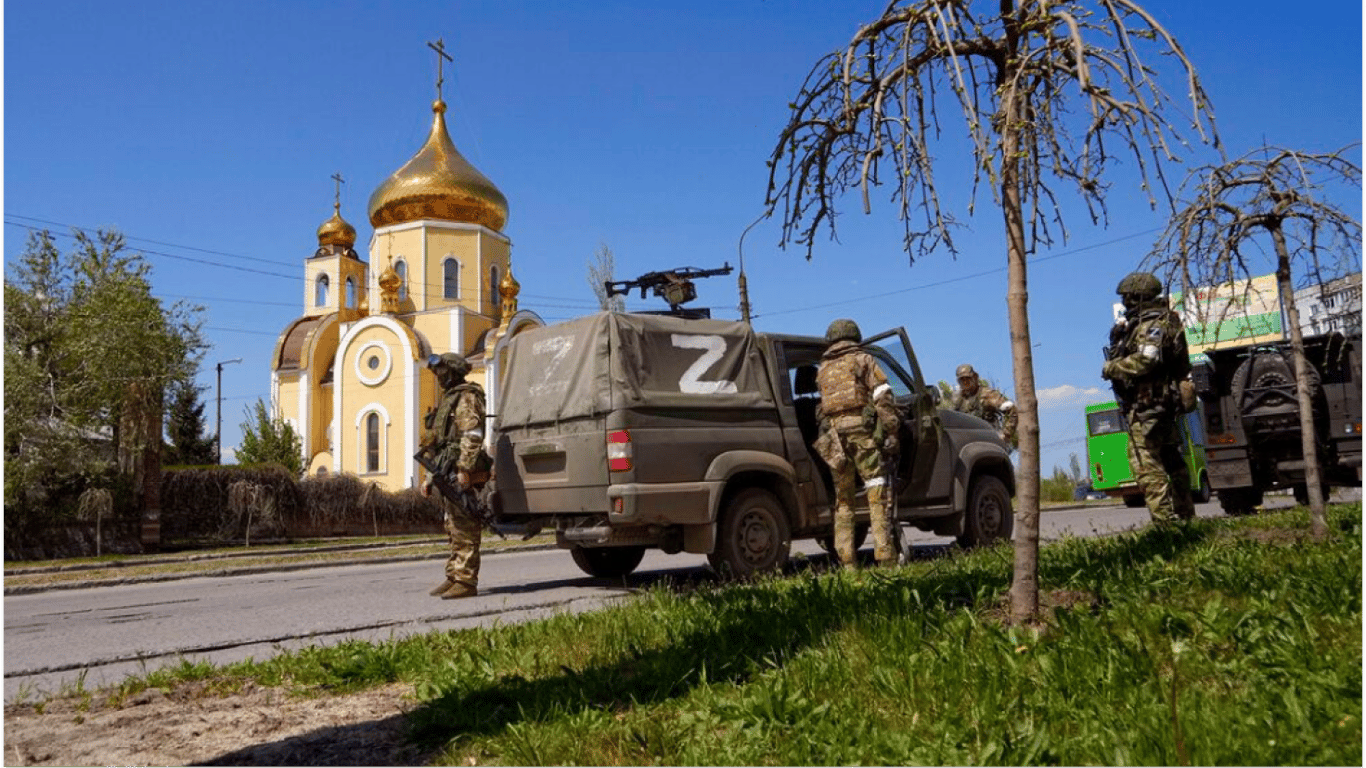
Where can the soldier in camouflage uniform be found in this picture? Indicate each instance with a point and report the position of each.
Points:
(985, 403)
(456, 428)
(859, 422)
(1146, 366)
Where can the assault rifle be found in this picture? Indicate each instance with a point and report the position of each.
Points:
(903, 543)
(675, 286)
(473, 501)
(1116, 349)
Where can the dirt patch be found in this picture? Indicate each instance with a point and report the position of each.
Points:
(255, 726)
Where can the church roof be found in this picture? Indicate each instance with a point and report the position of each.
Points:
(438, 183)
(291, 346)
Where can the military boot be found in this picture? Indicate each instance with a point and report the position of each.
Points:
(459, 590)
(442, 587)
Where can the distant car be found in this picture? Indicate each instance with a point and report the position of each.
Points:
(1084, 491)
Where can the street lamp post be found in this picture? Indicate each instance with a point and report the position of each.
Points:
(218, 436)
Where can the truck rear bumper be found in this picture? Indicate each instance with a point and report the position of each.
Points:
(663, 503)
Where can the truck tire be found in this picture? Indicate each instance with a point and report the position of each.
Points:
(989, 517)
(752, 535)
(1135, 500)
(1240, 501)
(607, 562)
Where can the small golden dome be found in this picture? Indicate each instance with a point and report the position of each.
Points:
(508, 288)
(438, 183)
(335, 231)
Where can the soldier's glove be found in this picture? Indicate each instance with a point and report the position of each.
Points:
(1107, 371)
(462, 479)
(890, 445)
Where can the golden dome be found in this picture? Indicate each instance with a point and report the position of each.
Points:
(335, 231)
(438, 183)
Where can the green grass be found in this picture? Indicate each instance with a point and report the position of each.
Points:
(1222, 642)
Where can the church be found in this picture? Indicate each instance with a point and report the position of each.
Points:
(349, 375)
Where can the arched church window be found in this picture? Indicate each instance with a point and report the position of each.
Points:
(450, 279)
(372, 443)
(401, 269)
(493, 285)
(350, 293)
(320, 292)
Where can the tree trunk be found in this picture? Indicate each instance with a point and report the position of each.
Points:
(1024, 586)
(1309, 442)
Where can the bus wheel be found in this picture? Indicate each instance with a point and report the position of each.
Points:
(751, 535)
(1203, 495)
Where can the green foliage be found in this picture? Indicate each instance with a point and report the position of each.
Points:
(1230, 641)
(1059, 487)
(82, 331)
(268, 439)
(185, 428)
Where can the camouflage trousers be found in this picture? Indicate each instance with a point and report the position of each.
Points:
(1160, 469)
(866, 460)
(465, 534)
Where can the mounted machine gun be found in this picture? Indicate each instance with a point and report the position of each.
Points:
(675, 286)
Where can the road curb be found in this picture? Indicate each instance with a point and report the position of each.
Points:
(29, 589)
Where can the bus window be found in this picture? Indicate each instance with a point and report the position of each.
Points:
(1104, 422)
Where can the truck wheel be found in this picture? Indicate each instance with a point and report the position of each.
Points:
(860, 537)
(607, 562)
(988, 518)
(1203, 495)
(751, 535)
(1134, 500)
(1240, 501)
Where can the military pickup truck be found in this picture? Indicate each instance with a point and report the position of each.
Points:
(625, 432)
(1252, 418)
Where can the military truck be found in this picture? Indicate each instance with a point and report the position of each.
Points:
(626, 432)
(1252, 419)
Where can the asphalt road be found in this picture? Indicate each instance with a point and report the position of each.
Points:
(96, 636)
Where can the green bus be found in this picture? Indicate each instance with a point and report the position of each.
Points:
(1107, 453)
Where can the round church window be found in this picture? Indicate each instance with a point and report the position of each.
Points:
(372, 363)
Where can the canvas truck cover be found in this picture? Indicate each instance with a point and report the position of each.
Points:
(609, 361)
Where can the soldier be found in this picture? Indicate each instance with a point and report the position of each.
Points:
(859, 422)
(985, 403)
(456, 431)
(1146, 366)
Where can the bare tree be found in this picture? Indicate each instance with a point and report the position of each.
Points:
(1276, 194)
(600, 272)
(1053, 93)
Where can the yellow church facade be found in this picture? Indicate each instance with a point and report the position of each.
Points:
(349, 375)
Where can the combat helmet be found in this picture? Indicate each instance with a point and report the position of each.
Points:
(1142, 286)
(452, 362)
(843, 329)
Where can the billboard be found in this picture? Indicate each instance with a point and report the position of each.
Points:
(1231, 314)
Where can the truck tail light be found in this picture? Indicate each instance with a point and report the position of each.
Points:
(619, 451)
(1225, 439)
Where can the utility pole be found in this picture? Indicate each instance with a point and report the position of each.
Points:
(218, 435)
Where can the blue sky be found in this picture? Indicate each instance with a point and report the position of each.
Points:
(207, 133)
